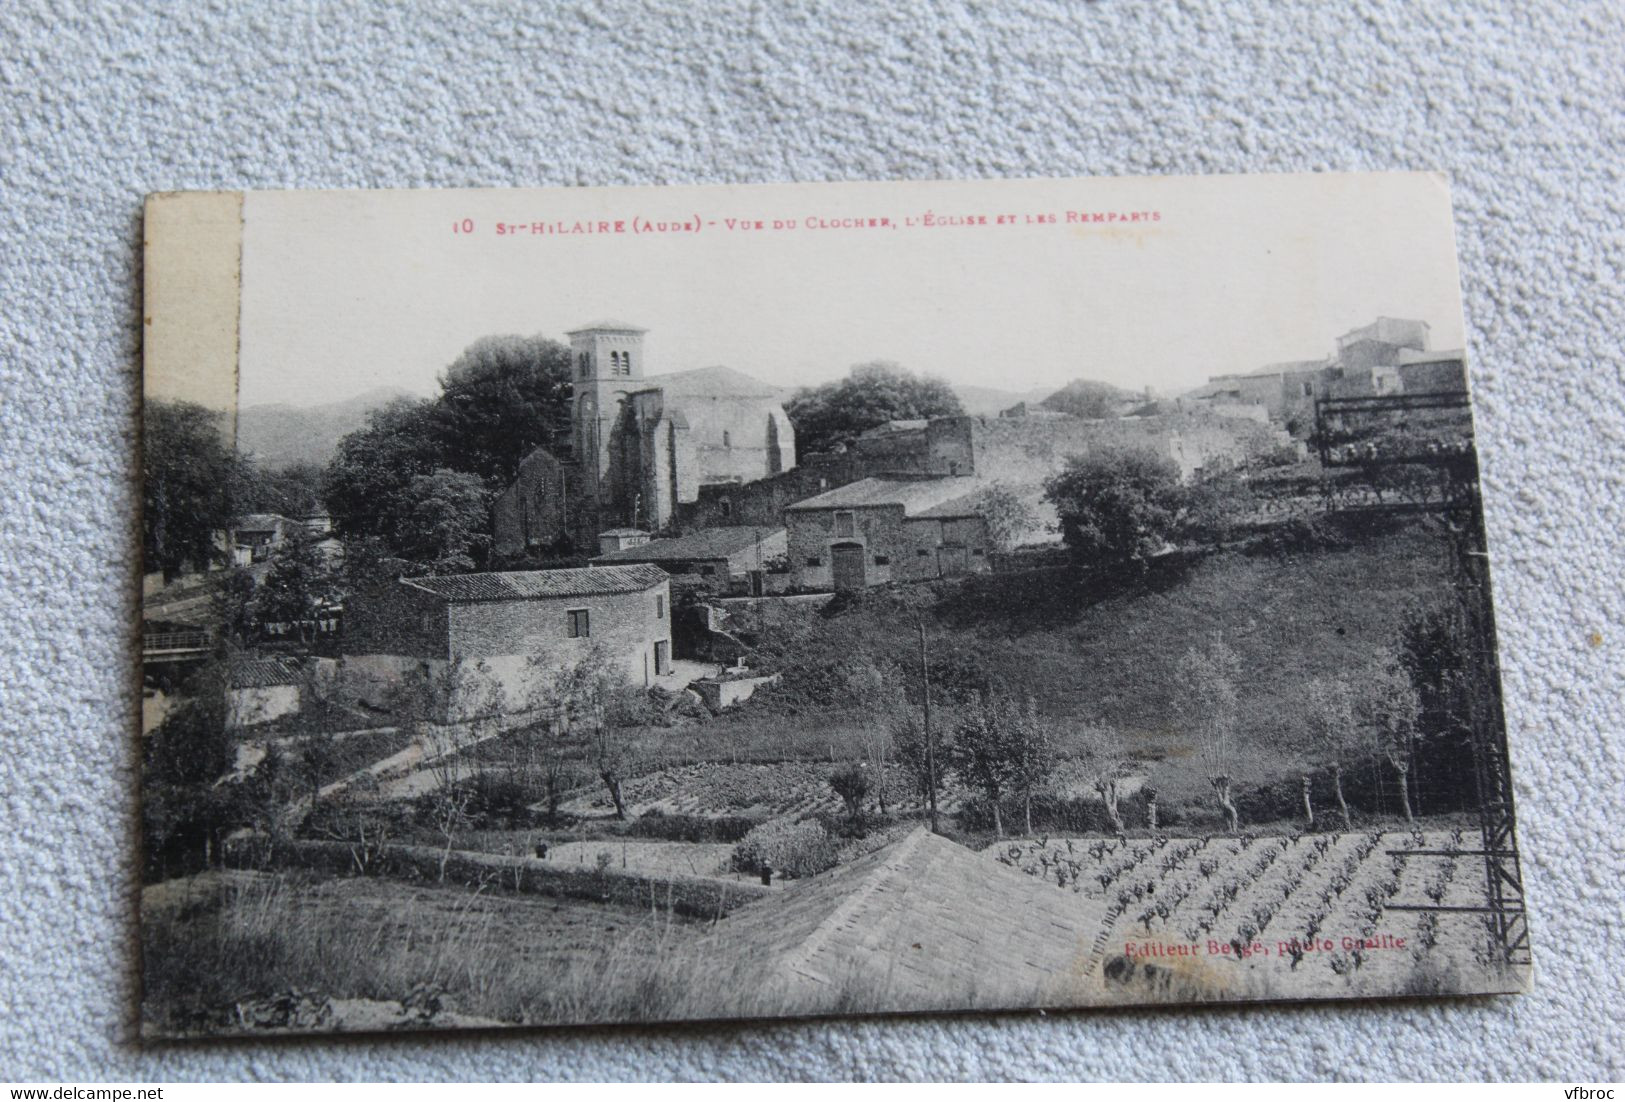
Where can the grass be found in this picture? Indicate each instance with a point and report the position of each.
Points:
(217, 938)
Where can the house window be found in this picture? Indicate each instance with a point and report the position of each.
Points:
(426, 621)
(706, 570)
(882, 560)
(922, 553)
(578, 625)
(976, 551)
(727, 508)
(727, 439)
(846, 524)
(1308, 390)
(814, 560)
(660, 607)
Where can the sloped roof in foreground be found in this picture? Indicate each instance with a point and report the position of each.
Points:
(920, 923)
(519, 585)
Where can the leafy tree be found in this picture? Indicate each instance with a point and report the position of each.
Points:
(291, 491)
(593, 698)
(186, 469)
(871, 394)
(1032, 746)
(367, 483)
(1001, 748)
(1334, 734)
(185, 815)
(1207, 676)
(295, 580)
(1212, 508)
(1392, 711)
(1008, 517)
(908, 744)
(1118, 506)
(851, 784)
(449, 529)
(503, 398)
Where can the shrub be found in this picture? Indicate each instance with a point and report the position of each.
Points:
(795, 849)
(1299, 536)
(690, 828)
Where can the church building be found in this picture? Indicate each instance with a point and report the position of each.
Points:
(642, 445)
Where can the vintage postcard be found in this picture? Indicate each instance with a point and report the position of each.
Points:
(646, 604)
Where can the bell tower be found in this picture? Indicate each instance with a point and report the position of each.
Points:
(606, 363)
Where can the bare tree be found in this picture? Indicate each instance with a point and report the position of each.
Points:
(1334, 735)
(1207, 705)
(1104, 761)
(595, 699)
(1032, 747)
(1391, 714)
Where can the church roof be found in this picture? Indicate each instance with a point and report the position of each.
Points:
(708, 543)
(711, 382)
(520, 585)
(926, 918)
(609, 324)
(915, 495)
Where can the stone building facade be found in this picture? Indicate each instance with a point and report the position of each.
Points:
(881, 530)
(490, 635)
(1388, 356)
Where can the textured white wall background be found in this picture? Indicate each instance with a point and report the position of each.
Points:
(104, 102)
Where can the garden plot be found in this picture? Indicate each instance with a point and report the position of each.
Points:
(755, 790)
(653, 859)
(1288, 916)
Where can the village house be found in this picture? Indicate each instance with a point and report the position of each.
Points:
(880, 530)
(253, 537)
(260, 691)
(1388, 356)
(713, 558)
(486, 637)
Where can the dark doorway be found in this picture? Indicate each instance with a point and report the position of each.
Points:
(847, 565)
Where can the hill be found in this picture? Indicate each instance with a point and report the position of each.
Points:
(1089, 653)
(278, 435)
(1087, 398)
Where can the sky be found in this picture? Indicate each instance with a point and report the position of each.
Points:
(1178, 279)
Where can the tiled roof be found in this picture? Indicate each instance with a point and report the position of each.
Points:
(263, 673)
(962, 506)
(708, 543)
(607, 323)
(913, 494)
(258, 522)
(931, 922)
(521, 585)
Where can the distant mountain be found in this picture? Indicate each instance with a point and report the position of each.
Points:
(986, 401)
(278, 435)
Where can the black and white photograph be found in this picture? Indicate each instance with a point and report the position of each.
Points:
(609, 605)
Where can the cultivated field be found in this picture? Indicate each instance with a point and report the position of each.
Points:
(1282, 917)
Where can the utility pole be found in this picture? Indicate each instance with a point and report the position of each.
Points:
(930, 744)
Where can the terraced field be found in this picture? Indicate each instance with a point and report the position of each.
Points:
(764, 790)
(1281, 916)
